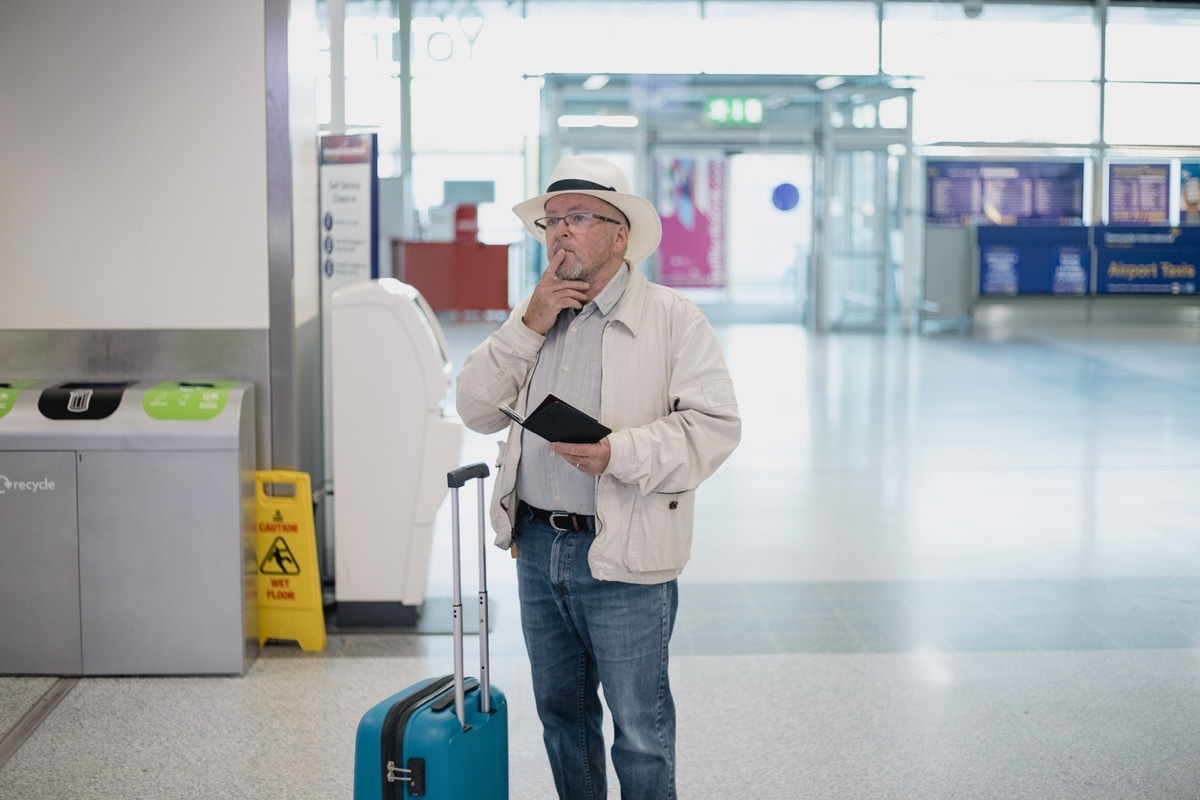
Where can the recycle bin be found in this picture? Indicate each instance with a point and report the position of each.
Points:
(127, 527)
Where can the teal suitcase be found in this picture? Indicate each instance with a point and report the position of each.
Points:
(443, 738)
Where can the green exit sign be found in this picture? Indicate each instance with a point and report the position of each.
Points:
(734, 110)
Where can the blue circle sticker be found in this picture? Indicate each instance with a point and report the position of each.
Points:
(785, 197)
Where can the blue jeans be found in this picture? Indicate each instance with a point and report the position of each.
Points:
(582, 633)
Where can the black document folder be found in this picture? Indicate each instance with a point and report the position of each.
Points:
(557, 420)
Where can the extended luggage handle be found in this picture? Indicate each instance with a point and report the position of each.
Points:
(456, 479)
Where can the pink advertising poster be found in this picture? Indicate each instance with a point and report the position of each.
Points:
(691, 201)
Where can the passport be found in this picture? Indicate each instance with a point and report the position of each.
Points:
(556, 420)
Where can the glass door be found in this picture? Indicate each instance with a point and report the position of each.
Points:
(863, 271)
(736, 193)
(737, 231)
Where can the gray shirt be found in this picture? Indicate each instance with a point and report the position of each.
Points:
(568, 367)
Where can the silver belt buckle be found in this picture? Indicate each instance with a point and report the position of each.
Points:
(554, 523)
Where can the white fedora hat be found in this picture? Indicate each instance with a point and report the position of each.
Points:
(599, 178)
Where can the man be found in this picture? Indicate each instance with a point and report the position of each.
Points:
(601, 531)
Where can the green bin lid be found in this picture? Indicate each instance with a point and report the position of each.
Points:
(187, 400)
(8, 394)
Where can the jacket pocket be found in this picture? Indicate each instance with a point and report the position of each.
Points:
(660, 535)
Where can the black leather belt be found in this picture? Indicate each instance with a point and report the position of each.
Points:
(562, 520)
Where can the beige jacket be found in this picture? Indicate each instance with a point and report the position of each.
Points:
(669, 400)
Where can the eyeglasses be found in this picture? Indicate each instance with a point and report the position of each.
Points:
(580, 221)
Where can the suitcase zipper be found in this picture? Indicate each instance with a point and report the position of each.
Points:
(393, 731)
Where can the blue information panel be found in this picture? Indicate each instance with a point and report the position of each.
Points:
(349, 197)
(1139, 260)
(1024, 260)
(1004, 192)
(1138, 194)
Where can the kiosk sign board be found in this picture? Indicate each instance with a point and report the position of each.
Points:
(1015, 261)
(349, 210)
(1147, 261)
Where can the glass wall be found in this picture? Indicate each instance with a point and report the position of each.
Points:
(986, 76)
(1153, 76)
(1011, 73)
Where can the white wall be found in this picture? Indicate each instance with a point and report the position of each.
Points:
(302, 124)
(132, 165)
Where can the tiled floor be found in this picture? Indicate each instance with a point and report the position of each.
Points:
(938, 567)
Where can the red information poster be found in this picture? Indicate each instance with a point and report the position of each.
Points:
(691, 202)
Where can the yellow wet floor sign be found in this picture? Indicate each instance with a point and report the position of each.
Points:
(289, 579)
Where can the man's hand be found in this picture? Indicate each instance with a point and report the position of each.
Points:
(551, 295)
(590, 459)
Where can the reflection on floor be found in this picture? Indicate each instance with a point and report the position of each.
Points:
(937, 567)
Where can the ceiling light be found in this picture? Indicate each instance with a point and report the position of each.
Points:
(597, 121)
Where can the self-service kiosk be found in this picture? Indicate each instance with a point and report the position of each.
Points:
(394, 439)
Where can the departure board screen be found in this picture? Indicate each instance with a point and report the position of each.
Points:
(1004, 193)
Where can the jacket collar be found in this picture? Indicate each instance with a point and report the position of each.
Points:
(628, 310)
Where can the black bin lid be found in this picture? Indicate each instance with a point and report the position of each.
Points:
(81, 399)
